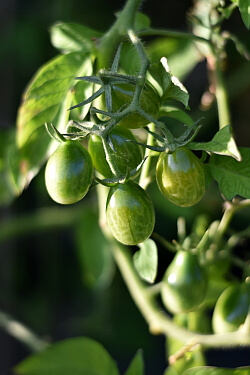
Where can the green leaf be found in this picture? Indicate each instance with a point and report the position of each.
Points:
(222, 143)
(78, 356)
(136, 366)
(182, 54)
(8, 189)
(177, 114)
(142, 21)
(167, 85)
(93, 251)
(244, 7)
(146, 260)
(46, 99)
(171, 371)
(44, 96)
(217, 371)
(72, 37)
(232, 176)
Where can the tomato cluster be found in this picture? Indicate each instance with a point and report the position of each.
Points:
(130, 214)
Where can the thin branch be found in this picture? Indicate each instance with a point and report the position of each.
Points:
(20, 332)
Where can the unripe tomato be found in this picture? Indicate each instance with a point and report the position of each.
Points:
(184, 283)
(68, 173)
(126, 155)
(130, 213)
(149, 102)
(180, 177)
(231, 308)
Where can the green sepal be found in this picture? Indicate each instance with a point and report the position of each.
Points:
(54, 133)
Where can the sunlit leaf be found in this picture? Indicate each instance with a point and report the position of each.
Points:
(232, 176)
(78, 356)
(168, 86)
(182, 54)
(72, 37)
(44, 96)
(222, 143)
(244, 7)
(46, 100)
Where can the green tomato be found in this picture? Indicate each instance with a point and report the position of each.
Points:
(122, 96)
(184, 283)
(127, 154)
(180, 177)
(130, 213)
(231, 308)
(68, 173)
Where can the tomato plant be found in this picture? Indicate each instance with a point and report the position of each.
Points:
(184, 283)
(68, 173)
(126, 153)
(130, 213)
(185, 278)
(180, 177)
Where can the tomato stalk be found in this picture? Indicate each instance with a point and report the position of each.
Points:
(230, 211)
(110, 159)
(221, 92)
(113, 37)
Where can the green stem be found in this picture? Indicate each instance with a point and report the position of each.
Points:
(110, 158)
(41, 220)
(110, 41)
(21, 333)
(229, 213)
(173, 34)
(221, 96)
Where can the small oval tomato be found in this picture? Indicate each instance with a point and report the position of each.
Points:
(127, 154)
(184, 283)
(231, 308)
(130, 213)
(122, 96)
(68, 173)
(180, 177)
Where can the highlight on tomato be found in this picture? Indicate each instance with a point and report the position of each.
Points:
(130, 213)
(68, 173)
(180, 177)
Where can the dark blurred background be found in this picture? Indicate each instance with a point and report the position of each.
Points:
(41, 278)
